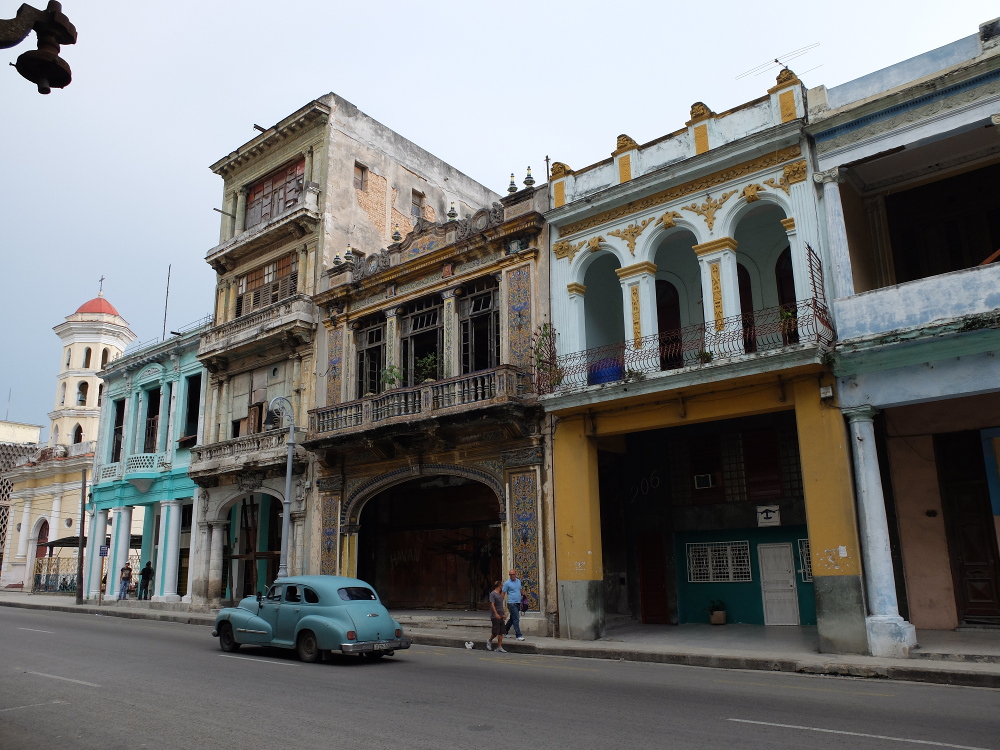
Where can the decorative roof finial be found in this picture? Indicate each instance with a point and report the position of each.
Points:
(512, 188)
(452, 213)
(100, 291)
(529, 180)
(396, 236)
(348, 254)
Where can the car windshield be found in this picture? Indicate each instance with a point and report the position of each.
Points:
(356, 594)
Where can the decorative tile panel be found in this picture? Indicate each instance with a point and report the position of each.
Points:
(335, 363)
(524, 533)
(519, 317)
(331, 520)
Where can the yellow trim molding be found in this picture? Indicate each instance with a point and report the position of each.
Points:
(701, 139)
(576, 288)
(716, 275)
(792, 173)
(625, 168)
(559, 194)
(559, 169)
(786, 103)
(785, 79)
(625, 143)
(644, 267)
(636, 320)
(631, 233)
(723, 243)
(564, 249)
(788, 224)
(707, 209)
(699, 185)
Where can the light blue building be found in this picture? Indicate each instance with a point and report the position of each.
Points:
(151, 417)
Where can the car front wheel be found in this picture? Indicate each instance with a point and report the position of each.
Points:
(227, 641)
(308, 648)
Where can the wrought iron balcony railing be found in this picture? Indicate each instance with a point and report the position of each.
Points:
(499, 385)
(806, 322)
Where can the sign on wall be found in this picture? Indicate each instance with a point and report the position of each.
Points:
(768, 515)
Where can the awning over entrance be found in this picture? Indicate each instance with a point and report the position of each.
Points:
(135, 542)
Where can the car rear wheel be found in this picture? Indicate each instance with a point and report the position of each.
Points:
(308, 648)
(227, 641)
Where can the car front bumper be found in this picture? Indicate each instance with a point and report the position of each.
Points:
(362, 647)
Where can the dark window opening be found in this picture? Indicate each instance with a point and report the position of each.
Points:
(191, 408)
(422, 343)
(100, 393)
(77, 435)
(152, 421)
(416, 205)
(357, 594)
(268, 284)
(784, 277)
(480, 320)
(275, 193)
(117, 436)
(668, 323)
(81, 394)
(945, 226)
(104, 358)
(746, 309)
(370, 343)
(86, 358)
(311, 596)
(187, 516)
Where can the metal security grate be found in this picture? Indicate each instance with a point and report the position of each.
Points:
(805, 561)
(715, 562)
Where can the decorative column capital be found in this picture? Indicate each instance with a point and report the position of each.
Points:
(864, 413)
(829, 176)
(714, 246)
(789, 225)
(636, 269)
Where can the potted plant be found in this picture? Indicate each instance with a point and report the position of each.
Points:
(426, 368)
(391, 376)
(704, 356)
(717, 612)
(788, 323)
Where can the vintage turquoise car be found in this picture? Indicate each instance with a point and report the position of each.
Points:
(313, 614)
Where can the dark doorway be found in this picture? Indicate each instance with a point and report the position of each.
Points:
(746, 309)
(432, 543)
(972, 543)
(653, 580)
(668, 323)
(43, 539)
(258, 545)
(784, 278)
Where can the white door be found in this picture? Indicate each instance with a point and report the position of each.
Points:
(777, 583)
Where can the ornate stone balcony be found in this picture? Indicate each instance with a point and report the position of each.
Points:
(293, 223)
(289, 317)
(246, 452)
(441, 398)
(57, 452)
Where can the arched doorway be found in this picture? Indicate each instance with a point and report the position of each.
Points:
(43, 539)
(784, 279)
(432, 543)
(253, 551)
(668, 323)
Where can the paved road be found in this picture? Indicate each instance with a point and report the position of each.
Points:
(85, 681)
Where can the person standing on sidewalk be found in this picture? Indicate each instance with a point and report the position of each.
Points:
(145, 578)
(126, 581)
(512, 588)
(496, 618)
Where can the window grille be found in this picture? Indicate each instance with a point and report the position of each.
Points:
(805, 561)
(734, 482)
(718, 562)
(791, 468)
(275, 193)
(4, 517)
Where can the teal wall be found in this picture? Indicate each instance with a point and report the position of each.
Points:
(743, 600)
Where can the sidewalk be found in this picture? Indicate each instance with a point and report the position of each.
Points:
(968, 657)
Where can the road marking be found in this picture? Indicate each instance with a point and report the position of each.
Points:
(859, 734)
(802, 687)
(513, 663)
(31, 705)
(38, 631)
(260, 661)
(55, 677)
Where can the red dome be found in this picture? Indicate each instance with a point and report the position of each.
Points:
(98, 305)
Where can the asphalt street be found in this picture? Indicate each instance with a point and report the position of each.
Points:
(86, 681)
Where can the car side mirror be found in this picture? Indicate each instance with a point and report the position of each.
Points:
(260, 599)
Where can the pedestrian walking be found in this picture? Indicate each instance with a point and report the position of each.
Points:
(512, 588)
(126, 581)
(145, 579)
(496, 618)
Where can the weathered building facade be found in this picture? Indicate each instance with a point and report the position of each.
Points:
(432, 452)
(699, 458)
(151, 419)
(909, 161)
(295, 198)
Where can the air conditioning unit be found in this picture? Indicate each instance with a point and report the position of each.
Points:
(704, 481)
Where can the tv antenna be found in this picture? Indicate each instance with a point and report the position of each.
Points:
(781, 61)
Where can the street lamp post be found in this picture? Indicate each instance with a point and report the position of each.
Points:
(280, 408)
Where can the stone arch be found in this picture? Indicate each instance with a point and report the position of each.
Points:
(221, 511)
(650, 240)
(586, 257)
(729, 220)
(356, 499)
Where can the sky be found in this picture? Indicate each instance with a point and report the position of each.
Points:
(109, 176)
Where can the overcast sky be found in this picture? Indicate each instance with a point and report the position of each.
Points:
(110, 175)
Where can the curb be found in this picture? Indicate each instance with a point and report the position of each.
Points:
(722, 661)
(128, 614)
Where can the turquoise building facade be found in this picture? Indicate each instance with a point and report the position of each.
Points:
(151, 417)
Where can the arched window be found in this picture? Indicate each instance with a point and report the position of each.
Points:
(86, 358)
(104, 358)
(43, 538)
(81, 394)
(55, 436)
(668, 322)
(69, 355)
(62, 395)
(77, 434)
(100, 393)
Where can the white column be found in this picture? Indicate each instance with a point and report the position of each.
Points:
(195, 548)
(215, 582)
(888, 633)
(99, 533)
(201, 406)
(200, 564)
(836, 232)
(121, 534)
(720, 289)
(166, 559)
(574, 338)
(22, 537)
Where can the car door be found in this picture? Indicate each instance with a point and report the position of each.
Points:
(270, 608)
(289, 614)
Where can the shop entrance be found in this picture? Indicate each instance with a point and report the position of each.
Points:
(255, 534)
(432, 543)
